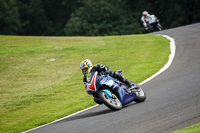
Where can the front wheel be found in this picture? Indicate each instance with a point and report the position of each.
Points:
(111, 102)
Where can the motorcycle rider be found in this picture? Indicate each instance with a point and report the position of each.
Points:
(87, 67)
(145, 19)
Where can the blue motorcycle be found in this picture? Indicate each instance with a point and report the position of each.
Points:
(113, 93)
(153, 24)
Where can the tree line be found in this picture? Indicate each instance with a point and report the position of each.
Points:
(91, 17)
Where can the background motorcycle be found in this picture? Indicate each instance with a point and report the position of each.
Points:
(153, 24)
(112, 92)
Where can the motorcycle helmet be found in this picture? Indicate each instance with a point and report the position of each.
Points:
(86, 67)
(144, 13)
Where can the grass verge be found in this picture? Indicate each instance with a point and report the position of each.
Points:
(191, 129)
(40, 79)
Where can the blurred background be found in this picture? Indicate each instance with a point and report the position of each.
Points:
(91, 17)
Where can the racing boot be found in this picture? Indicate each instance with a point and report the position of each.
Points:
(126, 81)
(121, 78)
(131, 85)
(97, 100)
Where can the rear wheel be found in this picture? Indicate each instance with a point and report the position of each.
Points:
(159, 27)
(111, 102)
(140, 96)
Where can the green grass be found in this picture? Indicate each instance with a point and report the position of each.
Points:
(191, 129)
(40, 78)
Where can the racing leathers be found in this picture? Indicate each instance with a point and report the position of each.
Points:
(145, 20)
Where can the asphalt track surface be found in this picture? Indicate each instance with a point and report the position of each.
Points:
(173, 97)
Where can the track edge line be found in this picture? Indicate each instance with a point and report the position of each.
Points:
(170, 60)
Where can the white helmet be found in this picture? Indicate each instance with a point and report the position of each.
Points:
(145, 13)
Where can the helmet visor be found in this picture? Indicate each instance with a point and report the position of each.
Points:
(84, 70)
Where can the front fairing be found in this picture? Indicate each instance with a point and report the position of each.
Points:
(98, 83)
(117, 88)
(153, 20)
(95, 81)
(92, 81)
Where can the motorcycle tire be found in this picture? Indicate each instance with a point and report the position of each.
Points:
(111, 102)
(159, 27)
(140, 96)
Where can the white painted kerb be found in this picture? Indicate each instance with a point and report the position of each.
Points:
(171, 57)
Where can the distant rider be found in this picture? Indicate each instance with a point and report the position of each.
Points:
(145, 19)
(87, 67)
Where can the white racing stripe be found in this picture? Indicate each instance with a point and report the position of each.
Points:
(171, 57)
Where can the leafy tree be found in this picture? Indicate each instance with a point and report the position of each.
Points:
(105, 17)
(91, 17)
(34, 21)
(9, 17)
(45, 17)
